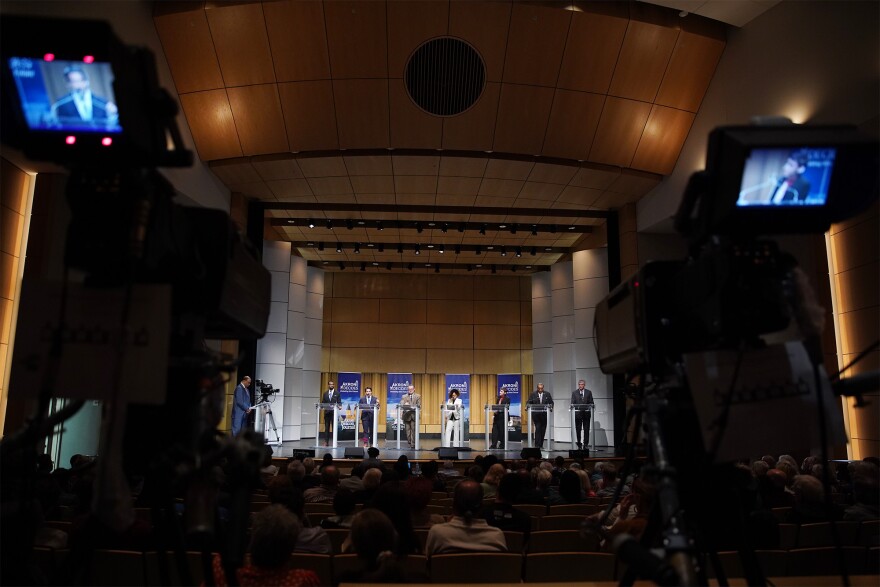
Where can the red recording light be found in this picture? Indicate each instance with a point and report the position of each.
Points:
(70, 139)
(89, 59)
(106, 141)
(49, 57)
(635, 284)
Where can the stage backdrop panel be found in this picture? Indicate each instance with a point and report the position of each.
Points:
(398, 383)
(463, 384)
(349, 386)
(512, 384)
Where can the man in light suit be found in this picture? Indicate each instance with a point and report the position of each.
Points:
(331, 396)
(582, 397)
(241, 405)
(368, 415)
(540, 397)
(410, 398)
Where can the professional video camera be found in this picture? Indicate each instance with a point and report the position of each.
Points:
(265, 389)
(157, 278)
(712, 337)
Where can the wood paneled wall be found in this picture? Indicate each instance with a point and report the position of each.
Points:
(428, 325)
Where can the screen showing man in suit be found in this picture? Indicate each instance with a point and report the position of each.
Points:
(541, 398)
(81, 104)
(368, 414)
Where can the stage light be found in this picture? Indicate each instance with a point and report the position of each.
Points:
(503, 251)
(357, 248)
(534, 230)
(338, 248)
(519, 251)
(418, 250)
(311, 223)
(349, 224)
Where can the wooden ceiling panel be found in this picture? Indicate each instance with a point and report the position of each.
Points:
(326, 186)
(210, 121)
(189, 50)
(619, 131)
(309, 115)
(362, 111)
(509, 169)
(535, 44)
(415, 164)
(375, 199)
(463, 166)
(643, 58)
(593, 45)
(690, 70)
(662, 140)
(578, 195)
(523, 112)
(415, 184)
(505, 188)
(414, 199)
(541, 191)
(597, 177)
(411, 127)
(290, 188)
(485, 26)
(551, 173)
(273, 167)
(258, 119)
(235, 171)
(357, 39)
(531, 202)
(490, 202)
(462, 186)
(474, 129)
(572, 125)
(298, 40)
(372, 184)
(323, 166)
(455, 200)
(241, 42)
(259, 190)
(634, 183)
(409, 25)
(369, 165)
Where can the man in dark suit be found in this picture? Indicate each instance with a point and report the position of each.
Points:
(498, 422)
(541, 398)
(241, 405)
(331, 396)
(80, 104)
(582, 397)
(367, 414)
(410, 398)
(792, 187)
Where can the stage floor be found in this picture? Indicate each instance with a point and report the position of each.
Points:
(429, 447)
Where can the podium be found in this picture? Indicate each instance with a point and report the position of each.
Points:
(540, 409)
(447, 410)
(493, 409)
(319, 408)
(357, 421)
(588, 410)
(401, 409)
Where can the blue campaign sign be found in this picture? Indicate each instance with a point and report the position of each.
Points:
(512, 384)
(463, 384)
(349, 386)
(397, 386)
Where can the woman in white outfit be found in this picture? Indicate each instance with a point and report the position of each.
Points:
(453, 416)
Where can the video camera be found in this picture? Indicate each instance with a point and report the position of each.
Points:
(265, 389)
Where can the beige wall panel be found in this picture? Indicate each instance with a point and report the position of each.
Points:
(493, 287)
(409, 24)
(449, 336)
(189, 50)
(690, 70)
(210, 121)
(619, 131)
(399, 361)
(450, 312)
(593, 44)
(401, 336)
(572, 125)
(662, 140)
(450, 287)
(535, 44)
(858, 288)
(239, 34)
(362, 112)
(402, 311)
(497, 336)
(411, 127)
(485, 26)
(525, 333)
(355, 310)
(450, 361)
(525, 308)
(527, 364)
(326, 333)
(298, 39)
(353, 359)
(474, 130)
(357, 39)
(258, 119)
(862, 328)
(496, 312)
(355, 335)
(859, 244)
(393, 285)
(523, 112)
(497, 361)
(643, 58)
(867, 447)
(325, 358)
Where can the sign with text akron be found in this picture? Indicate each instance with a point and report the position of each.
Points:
(349, 386)
(397, 386)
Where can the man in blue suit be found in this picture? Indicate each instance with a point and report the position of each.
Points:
(80, 105)
(241, 405)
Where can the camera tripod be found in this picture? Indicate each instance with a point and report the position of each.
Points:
(268, 418)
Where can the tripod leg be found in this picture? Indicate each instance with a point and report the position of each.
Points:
(270, 418)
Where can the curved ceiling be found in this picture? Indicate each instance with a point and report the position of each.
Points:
(302, 105)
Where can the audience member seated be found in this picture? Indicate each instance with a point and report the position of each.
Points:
(418, 496)
(343, 506)
(296, 471)
(430, 471)
(866, 493)
(375, 541)
(491, 479)
(373, 461)
(586, 486)
(609, 482)
(527, 493)
(448, 470)
(273, 536)
(402, 468)
(773, 491)
(502, 514)
(391, 500)
(325, 492)
(759, 468)
(809, 501)
(635, 508)
(372, 479)
(355, 481)
(543, 477)
(311, 478)
(465, 532)
(569, 491)
(311, 540)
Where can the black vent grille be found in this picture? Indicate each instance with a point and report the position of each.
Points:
(445, 76)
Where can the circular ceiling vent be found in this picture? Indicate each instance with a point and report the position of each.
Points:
(445, 76)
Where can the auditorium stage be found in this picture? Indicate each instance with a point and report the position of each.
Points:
(429, 450)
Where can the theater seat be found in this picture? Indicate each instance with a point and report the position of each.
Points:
(562, 541)
(476, 567)
(569, 567)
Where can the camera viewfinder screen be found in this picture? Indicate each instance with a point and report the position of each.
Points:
(787, 177)
(58, 95)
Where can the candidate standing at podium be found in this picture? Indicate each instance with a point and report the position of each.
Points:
(410, 398)
(582, 397)
(367, 415)
(241, 405)
(541, 398)
(331, 396)
(498, 422)
(452, 415)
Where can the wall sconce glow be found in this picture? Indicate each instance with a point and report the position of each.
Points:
(800, 113)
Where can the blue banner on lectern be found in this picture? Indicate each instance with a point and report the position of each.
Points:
(512, 384)
(397, 386)
(349, 386)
